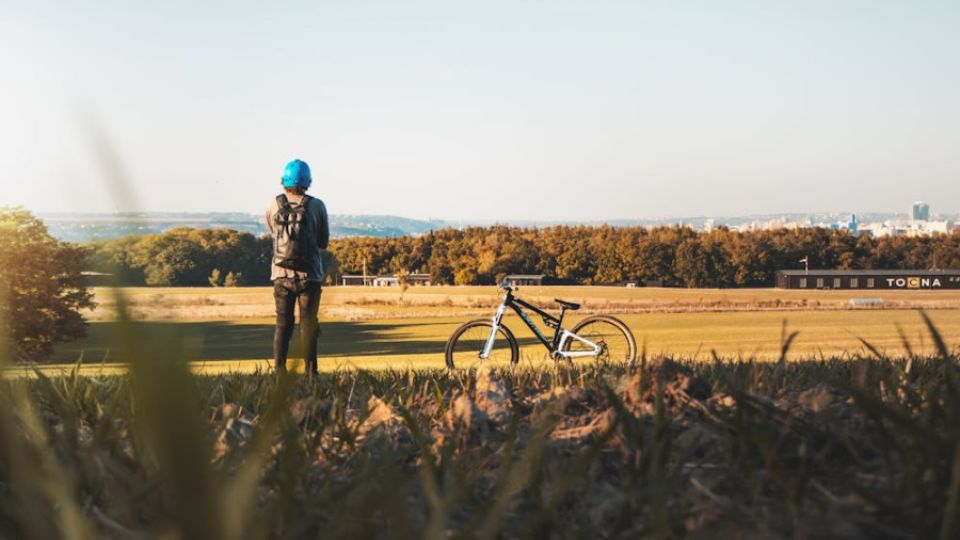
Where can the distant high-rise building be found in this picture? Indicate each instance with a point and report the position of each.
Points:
(920, 211)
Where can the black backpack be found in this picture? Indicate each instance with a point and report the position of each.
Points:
(290, 244)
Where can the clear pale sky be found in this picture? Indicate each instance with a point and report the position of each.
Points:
(486, 110)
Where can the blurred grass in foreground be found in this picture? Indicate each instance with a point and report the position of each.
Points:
(863, 447)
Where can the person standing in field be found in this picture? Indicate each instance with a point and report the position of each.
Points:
(300, 229)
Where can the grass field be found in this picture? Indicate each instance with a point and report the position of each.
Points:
(826, 446)
(808, 449)
(227, 329)
(360, 303)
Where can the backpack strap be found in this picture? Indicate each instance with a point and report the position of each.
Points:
(282, 201)
(304, 201)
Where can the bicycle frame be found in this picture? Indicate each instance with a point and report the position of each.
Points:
(553, 345)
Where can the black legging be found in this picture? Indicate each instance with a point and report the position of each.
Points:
(288, 292)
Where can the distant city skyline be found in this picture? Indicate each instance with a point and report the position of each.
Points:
(486, 111)
(79, 227)
(919, 210)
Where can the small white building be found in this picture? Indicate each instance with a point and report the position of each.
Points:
(363, 281)
(386, 281)
(516, 280)
(391, 280)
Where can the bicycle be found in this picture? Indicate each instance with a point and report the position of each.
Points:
(603, 337)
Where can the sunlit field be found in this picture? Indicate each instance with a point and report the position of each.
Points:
(231, 329)
(191, 303)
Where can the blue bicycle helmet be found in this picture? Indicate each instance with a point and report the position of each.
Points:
(296, 174)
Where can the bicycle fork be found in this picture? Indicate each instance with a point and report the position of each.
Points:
(488, 346)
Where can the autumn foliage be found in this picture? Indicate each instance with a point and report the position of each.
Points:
(674, 256)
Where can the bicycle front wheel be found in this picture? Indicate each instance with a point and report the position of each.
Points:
(611, 334)
(466, 345)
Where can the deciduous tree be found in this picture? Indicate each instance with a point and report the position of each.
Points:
(42, 286)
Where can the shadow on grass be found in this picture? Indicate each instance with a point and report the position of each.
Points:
(223, 340)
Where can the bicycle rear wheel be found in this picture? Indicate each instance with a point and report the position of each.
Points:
(466, 345)
(614, 337)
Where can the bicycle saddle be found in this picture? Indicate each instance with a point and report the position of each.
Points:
(568, 305)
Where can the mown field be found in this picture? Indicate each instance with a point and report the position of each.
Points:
(365, 303)
(228, 329)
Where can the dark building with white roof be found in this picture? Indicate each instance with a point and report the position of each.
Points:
(515, 280)
(869, 279)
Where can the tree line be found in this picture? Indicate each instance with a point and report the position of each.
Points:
(675, 256)
(186, 257)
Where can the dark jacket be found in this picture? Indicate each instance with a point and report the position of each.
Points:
(315, 224)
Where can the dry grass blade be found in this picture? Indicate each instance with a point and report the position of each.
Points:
(487, 521)
(166, 407)
(42, 485)
(786, 341)
(870, 347)
(905, 341)
(561, 487)
(520, 473)
(37, 474)
(428, 474)
(937, 338)
(882, 411)
(239, 497)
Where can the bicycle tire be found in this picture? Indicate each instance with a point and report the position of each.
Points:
(458, 335)
(596, 320)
